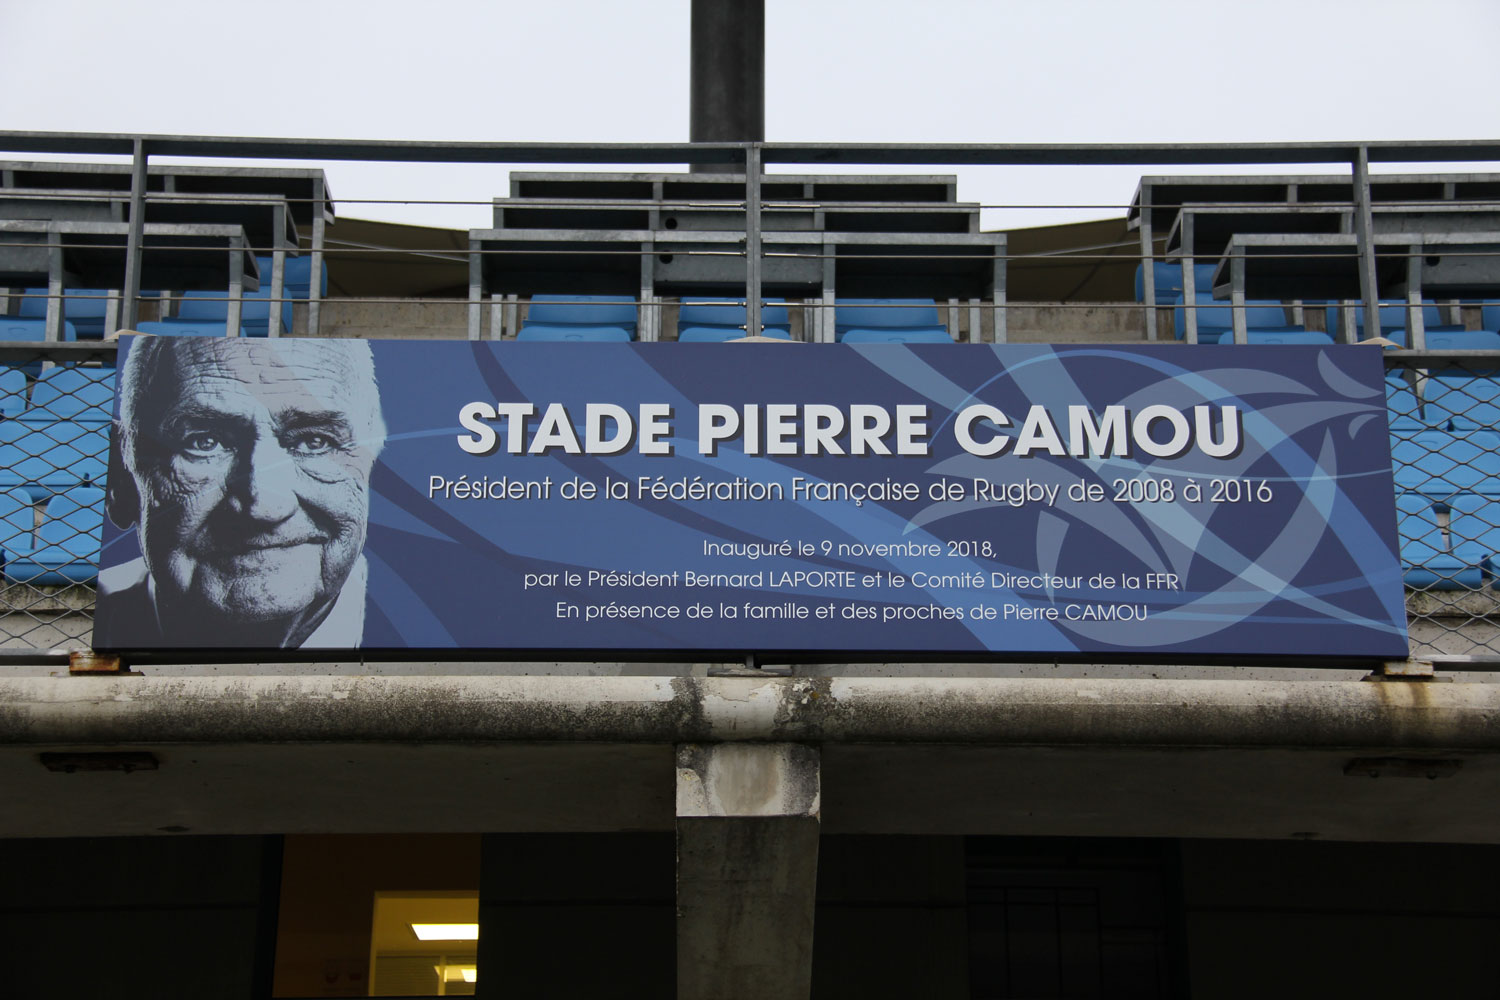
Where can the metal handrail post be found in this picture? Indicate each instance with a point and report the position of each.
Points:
(752, 238)
(136, 237)
(1364, 227)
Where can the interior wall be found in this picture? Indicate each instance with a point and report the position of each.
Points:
(578, 915)
(328, 887)
(136, 918)
(1316, 920)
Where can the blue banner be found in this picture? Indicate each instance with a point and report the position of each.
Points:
(1118, 501)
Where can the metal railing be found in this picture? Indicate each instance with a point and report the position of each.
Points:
(1442, 410)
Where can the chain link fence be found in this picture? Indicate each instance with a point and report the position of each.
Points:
(1444, 411)
(1443, 408)
(55, 409)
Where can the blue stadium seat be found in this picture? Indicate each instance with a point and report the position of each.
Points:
(1474, 530)
(255, 310)
(579, 317)
(916, 335)
(13, 386)
(1442, 463)
(187, 328)
(45, 457)
(1428, 560)
(709, 320)
(1169, 282)
(1393, 322)
(85, 308)
(67, 543)
(1403, 406)
(1289, 335)
(1447, 339)
(17, 524)
(917, 317)
(296, 276)
(1489, 316)
(73, 392)
(1216, 318)
(31, 328)
(1463, 402)
(590, 334)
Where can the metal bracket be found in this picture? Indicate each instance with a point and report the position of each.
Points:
(1405, 670)
(86, 661)
(752, 668)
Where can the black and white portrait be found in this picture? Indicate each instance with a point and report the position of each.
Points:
(244, 466)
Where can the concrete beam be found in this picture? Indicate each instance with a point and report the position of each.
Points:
(747, 870)
(1069, 712)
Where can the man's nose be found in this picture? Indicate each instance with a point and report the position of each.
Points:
(265, 491)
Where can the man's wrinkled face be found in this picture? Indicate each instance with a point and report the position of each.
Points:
(253, 463)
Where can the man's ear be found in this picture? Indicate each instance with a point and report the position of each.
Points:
(122, 501)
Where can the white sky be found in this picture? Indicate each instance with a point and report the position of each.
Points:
(836, 70)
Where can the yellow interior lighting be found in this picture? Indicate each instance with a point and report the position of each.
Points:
(446, 932)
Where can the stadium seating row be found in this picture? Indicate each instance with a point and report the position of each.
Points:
(59, 547)
(1267, 320)
(704, 320)
(198, 313)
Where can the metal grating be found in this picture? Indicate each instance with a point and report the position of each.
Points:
(54, 451)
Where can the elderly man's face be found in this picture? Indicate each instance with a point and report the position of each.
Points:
(253, 463)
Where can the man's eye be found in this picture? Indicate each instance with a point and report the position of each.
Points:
(311, 443)
(202, 445)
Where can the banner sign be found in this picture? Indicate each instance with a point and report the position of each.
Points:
(1009, 500)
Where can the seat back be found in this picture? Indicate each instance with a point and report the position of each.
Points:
(1403, 407)
(1291, 335)
(698, 311)
(13, 388)
(32, 328)
(1463, 402)
(916, 335)
(1215, 317)
(564, 332)
(1463, 340)
(73, 392)
(255, 310)
(85, 308)
(877, 313)
(17, 523)
(583, 310)
(1441, 464)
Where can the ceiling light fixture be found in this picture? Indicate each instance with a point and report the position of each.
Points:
(446, 932)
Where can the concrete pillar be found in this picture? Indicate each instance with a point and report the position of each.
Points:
(727, 79)
(747, 867)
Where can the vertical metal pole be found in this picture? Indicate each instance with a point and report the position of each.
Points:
(497, 316)
(1364, 227)
(649, 322)
(1148, 268)
(752, 239)
(1189, 284)
(236, 288)
(315, 276)
(129, 306)
(1416, 331)
(1001, 321)
(278, 271)
(52, 329)
(827, 316)
(476, 288)
(508, 321)
(1237, 297)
